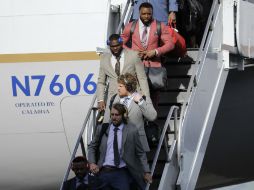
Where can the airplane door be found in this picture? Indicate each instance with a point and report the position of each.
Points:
(74, 111)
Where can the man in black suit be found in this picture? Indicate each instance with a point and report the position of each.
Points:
(81, 168)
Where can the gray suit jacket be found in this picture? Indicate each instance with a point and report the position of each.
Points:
(132, 65)
(136, 115)
(132, 152)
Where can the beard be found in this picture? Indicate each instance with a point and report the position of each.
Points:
(146, 23)
(118, 53)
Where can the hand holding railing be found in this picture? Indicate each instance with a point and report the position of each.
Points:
(123, 17)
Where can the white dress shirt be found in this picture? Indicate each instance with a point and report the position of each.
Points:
(141, 30)
(113, 62)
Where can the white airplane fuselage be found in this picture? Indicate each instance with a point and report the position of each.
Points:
(48, 75)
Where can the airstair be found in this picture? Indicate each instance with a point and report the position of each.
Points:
(187, 108)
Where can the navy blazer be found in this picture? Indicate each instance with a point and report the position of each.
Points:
(70, 184)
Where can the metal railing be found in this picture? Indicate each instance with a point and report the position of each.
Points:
(197, 67)
(123, 17)
(91, 111)
(163, 139)
(92, 108)
(80, 138)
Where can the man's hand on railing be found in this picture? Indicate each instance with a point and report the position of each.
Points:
(94, 168)
(148, 178)
(101, 105)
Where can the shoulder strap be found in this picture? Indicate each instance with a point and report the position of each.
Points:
(158, 28)
(133, 26)
(104, 128)
(111, 101)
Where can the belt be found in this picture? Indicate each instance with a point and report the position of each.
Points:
(111, 168)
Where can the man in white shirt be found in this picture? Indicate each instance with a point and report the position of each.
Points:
(147, 40)
(118, 61)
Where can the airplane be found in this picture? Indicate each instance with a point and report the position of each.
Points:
(48, 69)
(48, 72)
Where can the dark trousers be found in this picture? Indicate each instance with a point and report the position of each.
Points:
(118, 179)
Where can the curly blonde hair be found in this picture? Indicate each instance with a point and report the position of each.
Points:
(129, 81)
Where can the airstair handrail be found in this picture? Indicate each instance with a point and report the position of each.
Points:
(197, 67)
(173, 110)
(79, 141)
(123, 17)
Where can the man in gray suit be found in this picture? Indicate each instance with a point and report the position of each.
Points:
(139, 107)
(117, 155)
(112, 64)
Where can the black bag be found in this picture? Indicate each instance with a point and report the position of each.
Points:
(152, 133)
(157, 77)
(194, 17)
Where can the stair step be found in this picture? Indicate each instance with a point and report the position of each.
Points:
(172, 90)
(174, 97)
(193, 52)
(179, 70)
(151, 154)
(184, 60)
(161, 123)
(163, 111)
(178, 83)
(163, 118)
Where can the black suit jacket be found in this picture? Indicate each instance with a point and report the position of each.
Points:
(71, 184)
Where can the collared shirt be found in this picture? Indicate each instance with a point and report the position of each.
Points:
(85, 181)
(109, 158)
(126, 100)
(141, 30)
(113, 61)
